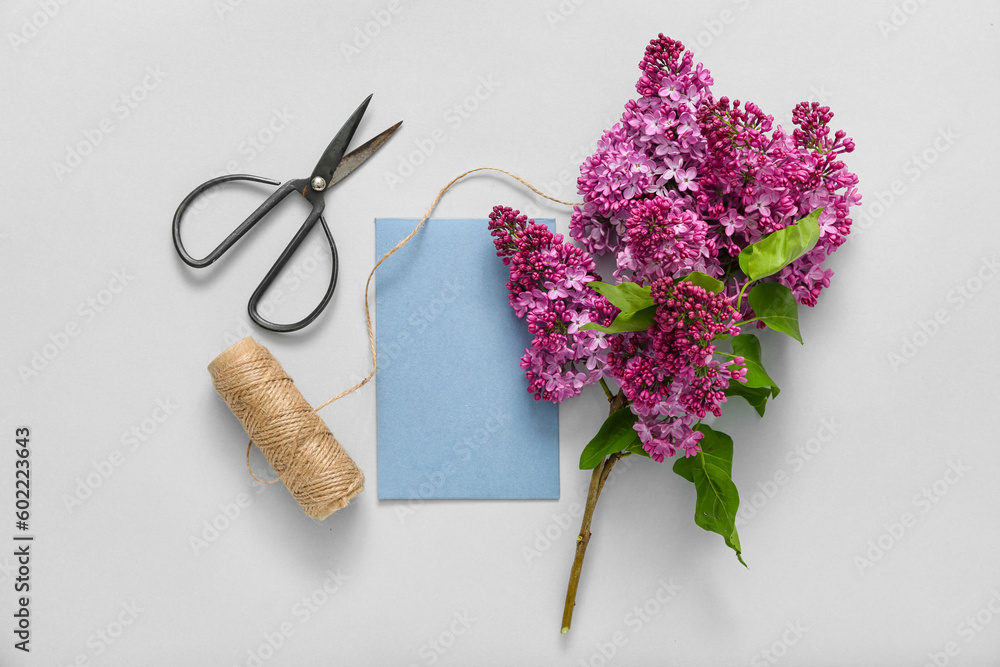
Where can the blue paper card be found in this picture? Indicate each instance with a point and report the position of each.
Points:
(454, 417)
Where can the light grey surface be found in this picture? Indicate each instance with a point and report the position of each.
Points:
(541, 81)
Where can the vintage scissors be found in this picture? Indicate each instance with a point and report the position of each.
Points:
(333, 167)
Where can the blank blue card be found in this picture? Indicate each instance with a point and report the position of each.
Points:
(455, 419)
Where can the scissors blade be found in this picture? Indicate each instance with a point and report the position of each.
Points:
(335, 151)
(355, 158)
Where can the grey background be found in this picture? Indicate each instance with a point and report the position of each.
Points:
(484, 578)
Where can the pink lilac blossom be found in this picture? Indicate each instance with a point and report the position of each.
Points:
(669, 373)
(659, 140)
(548, 288)
(762, 179)
(739, 176)
(683, 182)
(663, 237)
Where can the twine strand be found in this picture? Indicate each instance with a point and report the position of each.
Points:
(249, 447)
(392, 251)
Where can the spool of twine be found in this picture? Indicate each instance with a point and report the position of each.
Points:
(320, 475)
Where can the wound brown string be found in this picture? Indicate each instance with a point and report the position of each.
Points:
(295, 441)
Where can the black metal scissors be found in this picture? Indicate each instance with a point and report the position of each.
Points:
(332, 168)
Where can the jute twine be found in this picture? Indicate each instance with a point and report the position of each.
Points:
(295, 441)
(392, 251)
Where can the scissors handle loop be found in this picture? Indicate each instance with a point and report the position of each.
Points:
(238, 233)
(316, 214)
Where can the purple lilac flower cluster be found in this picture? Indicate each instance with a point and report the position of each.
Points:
(669, 373)
(683, 182)
(548, 288)
(664, 238)
(718, 175)
(652, 152)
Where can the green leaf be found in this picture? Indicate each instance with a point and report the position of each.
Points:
(759, 385)
(703, 280)
(625, 321)
(637, 307)
(748, 347)
(616, 434)
(755, 396)
(711, 472)
(779, 249)
(629, 297)
(775, 305)
(637, 449)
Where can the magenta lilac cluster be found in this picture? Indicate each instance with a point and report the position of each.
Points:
(665, 238)
(684, 182)
(548, 288)
(669, 372)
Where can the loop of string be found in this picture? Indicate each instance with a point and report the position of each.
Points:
(392, 251)
(389, 253)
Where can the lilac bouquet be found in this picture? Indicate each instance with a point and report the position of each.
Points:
(717, 220)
